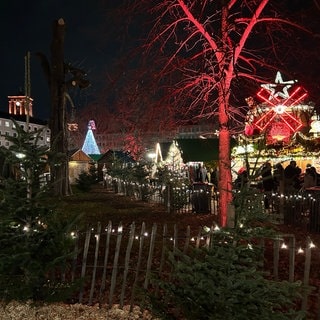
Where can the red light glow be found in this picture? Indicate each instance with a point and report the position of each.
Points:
(278, 115)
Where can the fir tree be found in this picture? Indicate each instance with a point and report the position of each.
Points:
(34, 242)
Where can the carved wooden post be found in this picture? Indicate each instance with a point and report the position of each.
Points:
(59, 141)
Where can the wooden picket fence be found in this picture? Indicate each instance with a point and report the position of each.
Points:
(116, 262)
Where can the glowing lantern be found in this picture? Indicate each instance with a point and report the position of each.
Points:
(315, 126)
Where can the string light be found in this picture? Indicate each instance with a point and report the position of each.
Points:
(300, 250)
(73, 235)
(311, 245)
(284, 246)
(216, 228)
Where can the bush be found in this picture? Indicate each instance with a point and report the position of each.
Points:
(35, 244)
(224, 283)
(85, 181)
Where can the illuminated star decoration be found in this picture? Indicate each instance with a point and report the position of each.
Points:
(273, 88)
(276, 115)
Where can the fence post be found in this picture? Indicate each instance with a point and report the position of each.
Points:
(84, 260)
(306, 273)
(106, 255)
(163, 255)
(142, 234)
(96, 253)
(126, 264)
(292, 250)
(115, 265)
(149, 262)
(276, 251)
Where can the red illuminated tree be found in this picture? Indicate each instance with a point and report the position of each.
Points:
(130, 108)
(217, 51)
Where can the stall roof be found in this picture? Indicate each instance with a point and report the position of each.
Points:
(200, 149)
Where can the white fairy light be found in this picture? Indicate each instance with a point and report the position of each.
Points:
(311, 245)
(216, 228)
(284, 246)
(73, 235)
(300, 250)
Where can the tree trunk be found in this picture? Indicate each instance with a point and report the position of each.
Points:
(226, 69)
(225, 179)
(59, 142)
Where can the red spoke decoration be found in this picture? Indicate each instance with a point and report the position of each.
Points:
(278, 116)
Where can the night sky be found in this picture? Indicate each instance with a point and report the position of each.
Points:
(90, 44)
(27, 26)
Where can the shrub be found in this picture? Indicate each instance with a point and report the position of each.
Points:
(223, 282)
(86, 180)
(34, 242)
(226, 280)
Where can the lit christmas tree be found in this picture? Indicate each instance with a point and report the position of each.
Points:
(90, 145)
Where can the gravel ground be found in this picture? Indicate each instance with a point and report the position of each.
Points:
(60, 311)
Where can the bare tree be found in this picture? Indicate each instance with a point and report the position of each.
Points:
(217, 50)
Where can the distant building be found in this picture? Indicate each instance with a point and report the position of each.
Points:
(19, 107)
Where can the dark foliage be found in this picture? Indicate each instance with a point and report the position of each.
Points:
(35, 243)
(226, 280)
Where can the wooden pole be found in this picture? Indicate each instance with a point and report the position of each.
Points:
(58, 123)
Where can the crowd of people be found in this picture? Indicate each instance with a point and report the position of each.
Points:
(286, 180)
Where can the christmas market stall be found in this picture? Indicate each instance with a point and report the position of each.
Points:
(280, 126)
(193, 162)
(283, 129)
(79, 162)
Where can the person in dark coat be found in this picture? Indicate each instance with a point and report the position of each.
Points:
(267, 183)
(310, 178)
(242, 178)
(292, 182)
(278, 178)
